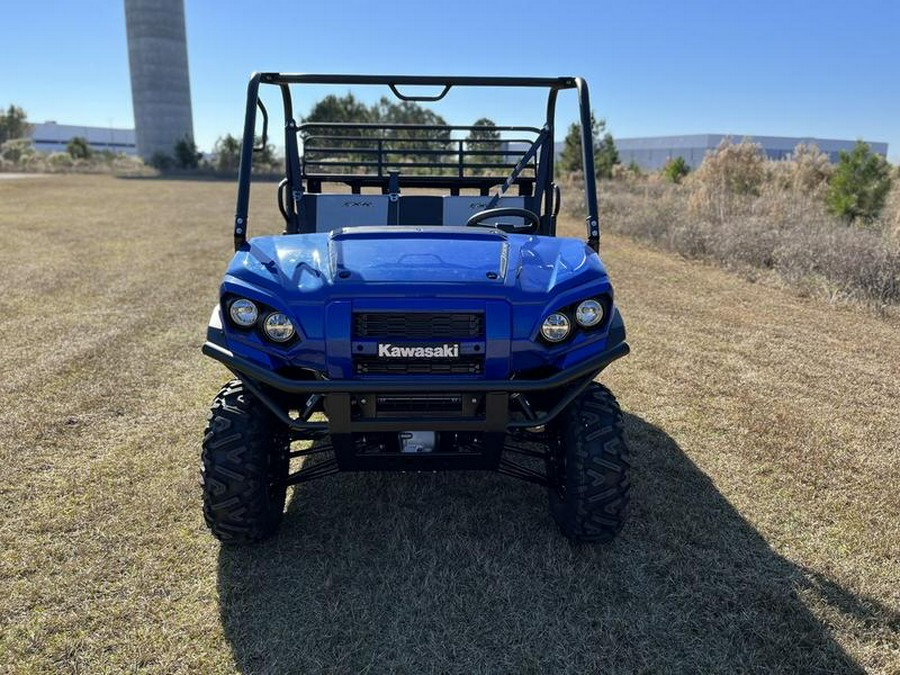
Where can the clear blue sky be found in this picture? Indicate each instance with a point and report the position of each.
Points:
(791, 67)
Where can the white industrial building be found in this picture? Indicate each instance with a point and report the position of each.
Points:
(53, 137)
(653, 153)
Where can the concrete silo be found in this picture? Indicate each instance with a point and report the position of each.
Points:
(160, 88)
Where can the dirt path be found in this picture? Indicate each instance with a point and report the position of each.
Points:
(19, 176)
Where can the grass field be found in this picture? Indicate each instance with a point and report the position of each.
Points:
(765, 534)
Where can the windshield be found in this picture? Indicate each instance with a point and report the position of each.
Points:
(420, 254)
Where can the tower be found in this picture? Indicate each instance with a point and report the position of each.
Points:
(160, 88)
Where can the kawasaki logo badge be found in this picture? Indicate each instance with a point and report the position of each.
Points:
(445, 351)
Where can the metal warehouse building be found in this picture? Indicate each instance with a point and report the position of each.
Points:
(653, 153)
(53, 137)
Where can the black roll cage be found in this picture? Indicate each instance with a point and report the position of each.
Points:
(541, 177)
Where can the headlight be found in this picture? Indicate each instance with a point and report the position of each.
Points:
(243, 312)
(555, 327)
(589, 313)
(278, 327)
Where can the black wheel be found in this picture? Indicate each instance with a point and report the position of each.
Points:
(244, 464)
(588, 467)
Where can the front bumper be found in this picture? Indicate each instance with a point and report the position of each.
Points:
(494, 417)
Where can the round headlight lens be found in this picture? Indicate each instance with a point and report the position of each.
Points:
(589, 313)
(243, 312)
(278, 327)
(555, 327)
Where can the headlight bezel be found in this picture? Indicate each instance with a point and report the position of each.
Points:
(600, 313)
(266, 325)
(562, 321)
(243, 302)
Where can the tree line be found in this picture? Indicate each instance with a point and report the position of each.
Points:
(415, 146)
(484, 138)
(857, 186)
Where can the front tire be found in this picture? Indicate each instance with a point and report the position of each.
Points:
(245, 462)
(589, 468)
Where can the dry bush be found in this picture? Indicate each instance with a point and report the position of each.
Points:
(16, 150)
(125, 164)
(795, 188)
(890, 216)
(60, 160)
(36, 162)
(646, 211)
(727, 180)
(620, 172)
(631, 173)
(20, 155)
(845, 263)
(809, 170)
(752, 241)
(571, 190)
(747, 213)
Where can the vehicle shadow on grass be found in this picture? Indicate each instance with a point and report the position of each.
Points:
(467, 573)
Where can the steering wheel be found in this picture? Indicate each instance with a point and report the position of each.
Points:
(530, 227)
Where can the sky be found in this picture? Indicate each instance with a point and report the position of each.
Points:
(819, 68)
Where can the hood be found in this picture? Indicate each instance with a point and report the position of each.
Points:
(356, 259)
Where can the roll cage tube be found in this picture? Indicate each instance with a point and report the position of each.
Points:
(393, 82)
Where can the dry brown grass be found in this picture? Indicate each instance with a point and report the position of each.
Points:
(764, 428)
(32, 161)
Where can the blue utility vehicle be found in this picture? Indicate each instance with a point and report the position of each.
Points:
(418, 313)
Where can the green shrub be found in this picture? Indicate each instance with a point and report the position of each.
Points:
(606, 156)
(161, 161)
(484, 138)
(186, 154)
(14, 124)
(60, 160)
(16, 150)
(264, 159)
(78, 148)
(860, 185)
(675, 169)
(227, 154)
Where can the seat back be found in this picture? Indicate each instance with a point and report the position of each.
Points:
(333, 211)
(458, 210)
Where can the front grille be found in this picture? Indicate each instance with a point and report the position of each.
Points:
(466, 365)
(419, 325)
